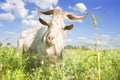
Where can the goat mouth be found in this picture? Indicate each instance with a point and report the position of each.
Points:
(50, 43)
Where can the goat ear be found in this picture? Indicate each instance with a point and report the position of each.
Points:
(43, 22)
(49, 12)
(69, 27)
(74, 17)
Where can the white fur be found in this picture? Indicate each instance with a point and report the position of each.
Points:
(37, 39)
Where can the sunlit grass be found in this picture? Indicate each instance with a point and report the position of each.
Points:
(76, 65)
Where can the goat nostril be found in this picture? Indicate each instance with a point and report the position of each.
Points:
(51, 38)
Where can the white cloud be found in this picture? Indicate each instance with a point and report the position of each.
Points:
(85, 41)
(81, 38)
(70, 7)
(69, 40)
(1, 25)
(31, 20)
(7, 6)
(103, 41)
(115, 42)
(79, 7)
(7, 16)
(17, 7)
(10, 32)
(30, 23)
(99, 7)
(34, 15)
(44, 4)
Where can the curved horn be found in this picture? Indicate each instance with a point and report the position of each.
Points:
(74, 17)
(49, 12)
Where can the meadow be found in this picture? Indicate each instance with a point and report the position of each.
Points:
(76, 65)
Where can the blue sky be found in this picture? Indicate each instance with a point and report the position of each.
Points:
(18, 15)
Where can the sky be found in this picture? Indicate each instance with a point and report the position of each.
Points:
(19, 15)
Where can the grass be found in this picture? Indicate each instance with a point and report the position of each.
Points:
(76, 65)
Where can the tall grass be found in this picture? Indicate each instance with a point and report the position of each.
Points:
(76, 65)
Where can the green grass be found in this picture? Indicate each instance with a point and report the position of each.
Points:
(76, 65)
